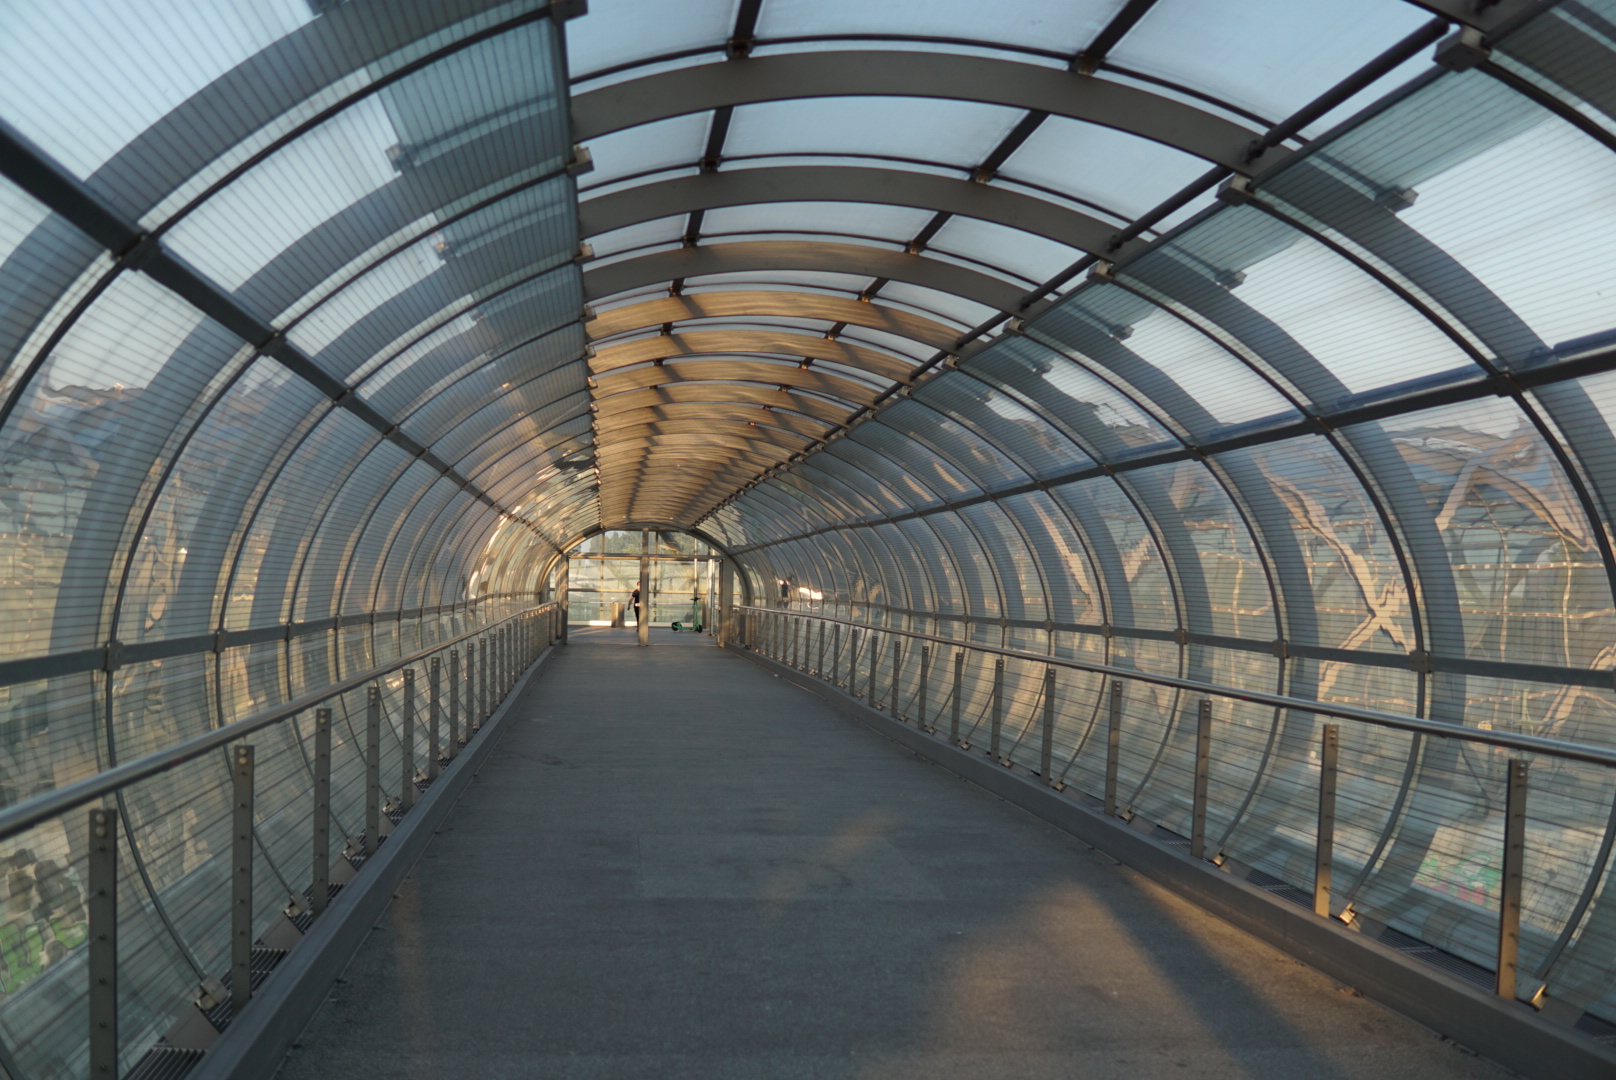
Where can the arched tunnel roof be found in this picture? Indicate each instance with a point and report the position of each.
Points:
(1268, 344)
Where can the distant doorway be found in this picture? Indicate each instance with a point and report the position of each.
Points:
(603, 571)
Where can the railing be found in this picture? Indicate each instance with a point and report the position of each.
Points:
(1423, 823)
(158, 921)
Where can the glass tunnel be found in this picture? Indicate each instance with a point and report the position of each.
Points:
(1267, 346)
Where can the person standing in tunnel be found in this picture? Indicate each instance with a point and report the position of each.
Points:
(634, 599)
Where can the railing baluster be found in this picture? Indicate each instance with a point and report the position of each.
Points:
(852, 661)
(875, 671)
(1324, 846)
(101, 882)
(406, 784)
(241, 880)
(998, 710)
(1509, 893)
(1046, 752)
(373, 770)
(454, 703)
(434, 711)
(482, 682)
(897, 676)
(320, 890)
(1203, 772)
(959, 692)
(836, 654)
(1113, 747)
(819, 667)
(921, 720)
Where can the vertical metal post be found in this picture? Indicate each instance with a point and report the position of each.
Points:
(726, 600)
(819, 667)
(102, 930)
(998, 708)
(454, 703)
(434, 711)
(643, 622)
(373, 770)
(796, 643)
(852, 662)
(482, 681)
(1046, 753)
(563, 598)
(959, 692)
(1509, 896)
(1113, 748)
(836, 654)
(875, 670)
(320, 890)
(406, 786)
(241, 879)
(1324, 847)
(1203, 772)
(897, 676)
(921, 719)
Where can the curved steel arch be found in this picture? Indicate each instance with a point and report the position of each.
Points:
(835, 183)
(877, 73)
(761, 256)
(699, 343)
(737, 371)
(715, 413)
(737, 394)
(783, 304)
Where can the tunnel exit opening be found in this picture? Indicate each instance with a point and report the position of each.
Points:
(680, 573)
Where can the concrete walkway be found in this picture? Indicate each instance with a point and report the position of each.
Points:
(676, 865)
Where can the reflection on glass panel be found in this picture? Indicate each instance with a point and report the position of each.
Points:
(83, 435)
(1533, 587)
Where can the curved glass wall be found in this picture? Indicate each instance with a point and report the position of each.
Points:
(1031, 324)
(1342, 435)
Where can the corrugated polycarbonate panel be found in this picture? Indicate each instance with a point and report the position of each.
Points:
(1439, 551)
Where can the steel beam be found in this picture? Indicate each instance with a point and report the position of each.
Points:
(954, 77)
(855, 184)
(757, 256)
(744, 304)
(788, 342)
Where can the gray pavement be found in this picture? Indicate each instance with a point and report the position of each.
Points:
(676, 865)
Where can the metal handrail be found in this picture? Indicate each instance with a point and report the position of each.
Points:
(35, 811)
(1534, 744)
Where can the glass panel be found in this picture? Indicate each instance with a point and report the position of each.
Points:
(959, 133)
(1032, 24)
(1269, 56)
(1113, 169)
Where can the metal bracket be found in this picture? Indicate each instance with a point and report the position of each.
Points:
(1181, 636)
(1462, 50)
(1103, 271)
(138, 254)
(1420, 661)
(1236, 191)
(1282, 649)
(114, 656)
(582, 161)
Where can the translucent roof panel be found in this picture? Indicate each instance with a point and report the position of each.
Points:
(619, 32)
(959, 133)
(895, 223)
(1032, 24)
(1123, 173)
(663, 144)
(84, 113)
(1268, 56)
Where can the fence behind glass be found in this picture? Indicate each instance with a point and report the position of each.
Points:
(1376, 819)
(169, 886)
